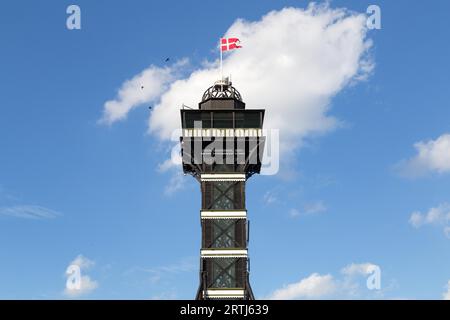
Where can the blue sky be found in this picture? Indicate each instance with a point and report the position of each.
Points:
(72, 186)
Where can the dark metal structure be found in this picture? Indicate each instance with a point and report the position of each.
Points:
(222, 145)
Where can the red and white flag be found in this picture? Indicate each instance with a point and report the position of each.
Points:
(229, 44)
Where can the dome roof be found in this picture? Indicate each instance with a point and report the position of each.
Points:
(222, 89)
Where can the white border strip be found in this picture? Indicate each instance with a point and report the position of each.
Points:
(222, 177)
(226, 132)
(204, 214)
(223, 253)
(221, 293)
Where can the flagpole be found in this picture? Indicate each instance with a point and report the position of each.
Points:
(221, 65)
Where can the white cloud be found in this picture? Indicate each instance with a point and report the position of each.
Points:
(292, 63)
(176, 183)
(447, 231)
(416, 219)
(294, 213)
(308, 209)
(167, 165)
(439, 216)
(178, 179)
(368, 271)
(315, 207)
(29, 212)
(270, 197)
(83, 262)
(145, 87)
(432, 156)
(314, 286)
(359, 269)
(446, 295)
(349, 285)
(87, 285)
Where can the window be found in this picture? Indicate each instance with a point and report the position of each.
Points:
(206, 120)
(226, 272)
(191, 117)
(239, 119)
(248, 119)
(223, 120)
(223, 233)
(223, 195)
(252, 120)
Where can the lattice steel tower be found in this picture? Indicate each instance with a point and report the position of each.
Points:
(222, 145)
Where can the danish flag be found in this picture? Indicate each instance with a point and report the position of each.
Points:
(229, 44)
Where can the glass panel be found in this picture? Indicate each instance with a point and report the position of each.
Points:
(223, 195)
(224, 273)
(252, 120)
(223, 203)
(191, 117)
(239, 119)
(223, 120)
(223, 233)
(247, 119)
(206, 120)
